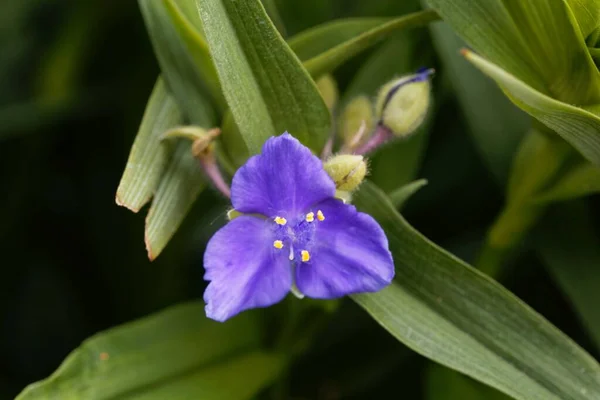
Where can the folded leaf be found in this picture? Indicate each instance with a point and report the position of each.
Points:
(587, 15)
(179, 187)
(178, 64)
(570, 248)
(321, 38)
(329, 58)
(577, 126)
(189, 27)
(148, 156)
(266, 87)
(453, 314)
(539, 42)
(174, 354)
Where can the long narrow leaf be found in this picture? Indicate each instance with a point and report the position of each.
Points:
(453, 314)
(174, 354)
(148, 156)
(328, 60)
(577, 126)
(265, 85)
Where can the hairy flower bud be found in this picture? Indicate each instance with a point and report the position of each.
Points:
(402, 104)
(347, 171)
(357, 112)
(329, 91)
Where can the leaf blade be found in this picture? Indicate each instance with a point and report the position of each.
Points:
(265, 85)
(577, 126)
(453, 314)
(177, 352)
(327, 61)
(148, 156)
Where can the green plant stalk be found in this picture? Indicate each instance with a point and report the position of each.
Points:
(539, 159)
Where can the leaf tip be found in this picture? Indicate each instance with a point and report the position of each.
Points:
(149, 250)
(465, 52)
(122, 203)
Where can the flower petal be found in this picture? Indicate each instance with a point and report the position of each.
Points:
(283, 180)
(349, 254)
(244, 268)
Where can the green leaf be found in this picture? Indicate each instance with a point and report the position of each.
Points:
(577, 126)
(188, 25)
(266, 87)
(321, 38)
(174, 354)
(178, 64)
(495, 124)
(580, 180)
(399, 196)
(453, 314)
(443, 383)
(273, 12)
(179, 187)
(539, 42)
(148, 156)
(329, 58)
(568, 244)
(587, 15)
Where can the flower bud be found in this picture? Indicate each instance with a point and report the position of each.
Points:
(347, 171)
(328, 89)
(402, 104)
(357, 112)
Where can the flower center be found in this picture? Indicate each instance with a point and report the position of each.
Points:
(297, 235)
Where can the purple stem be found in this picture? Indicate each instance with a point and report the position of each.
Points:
(381, 136)
(211, 169)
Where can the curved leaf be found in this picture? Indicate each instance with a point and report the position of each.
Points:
(587, 15)
(314, 41)
(178, 65)
(453, 314)
(179, 187)
(174, 354)
(328, 60)
(539, 42)
(265, 85)
(187, 23)
(577, 126)
(148, 156)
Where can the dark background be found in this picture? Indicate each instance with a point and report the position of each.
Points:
(74, 80)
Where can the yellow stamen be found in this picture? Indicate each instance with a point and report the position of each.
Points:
(310, 217)
(278, 244)
(305, 255)
(280, 221)
(320, 216)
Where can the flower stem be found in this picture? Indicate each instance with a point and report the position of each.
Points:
(211, 169)
(539, 160)
(381, 136)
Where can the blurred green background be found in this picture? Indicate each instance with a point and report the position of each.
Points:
(74, 80)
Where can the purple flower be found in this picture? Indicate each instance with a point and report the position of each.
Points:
(294, 232)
